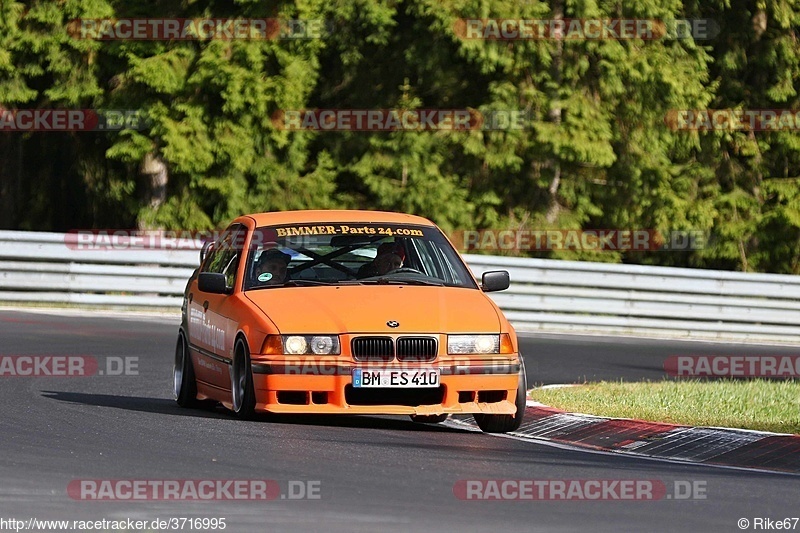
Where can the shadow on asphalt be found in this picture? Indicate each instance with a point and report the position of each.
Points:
(164, 406)
(487, 452)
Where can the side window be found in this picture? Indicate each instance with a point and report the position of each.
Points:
(424, 257)
(436, 262)
(224, 256)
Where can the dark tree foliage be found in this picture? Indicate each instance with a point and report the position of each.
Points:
(598, 152)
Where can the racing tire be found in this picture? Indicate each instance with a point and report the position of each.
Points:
(429, 419)
(184, 384)
(506, 423)
(242, 390)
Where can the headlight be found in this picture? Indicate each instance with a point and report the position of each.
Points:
(322, 345)
(467, 344)
(311, 344)
(295, 345)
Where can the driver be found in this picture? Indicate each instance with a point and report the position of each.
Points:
(390, 257)
(270, 269)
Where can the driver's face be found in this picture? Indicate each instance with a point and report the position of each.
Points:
(387, 262)
(276, 268)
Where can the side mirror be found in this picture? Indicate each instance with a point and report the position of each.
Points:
(212, 282)
(204, 250)
(495, 280)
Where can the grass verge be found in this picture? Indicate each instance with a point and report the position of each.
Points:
(753, 404)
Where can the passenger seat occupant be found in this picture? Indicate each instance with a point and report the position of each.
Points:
(390, 257)
(270, 268)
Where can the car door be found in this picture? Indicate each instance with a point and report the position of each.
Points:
(211, 328)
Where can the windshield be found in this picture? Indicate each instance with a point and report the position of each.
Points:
(353, 253)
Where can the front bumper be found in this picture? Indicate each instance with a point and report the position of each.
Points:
(318, 385)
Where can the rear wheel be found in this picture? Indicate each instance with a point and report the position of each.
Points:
(244, 395)
(429, 419)
(184, 383)
(506, 423)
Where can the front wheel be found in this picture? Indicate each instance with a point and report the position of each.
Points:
(244, 395)
(184, 383)
(506, 423)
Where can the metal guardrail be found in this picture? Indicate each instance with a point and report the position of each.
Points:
(545, 295)
(52, 268)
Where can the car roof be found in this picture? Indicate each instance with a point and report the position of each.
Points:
(336, 215)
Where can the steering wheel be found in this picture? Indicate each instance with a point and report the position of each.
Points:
(405, 270)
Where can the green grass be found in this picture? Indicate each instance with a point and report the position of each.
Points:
(753, 404)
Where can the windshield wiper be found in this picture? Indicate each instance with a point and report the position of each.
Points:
(303, 283)
(291, 283)
(406, 281)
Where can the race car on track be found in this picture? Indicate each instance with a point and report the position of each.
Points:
(346, 312)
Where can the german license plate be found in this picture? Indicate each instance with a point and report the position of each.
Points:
(396, 379)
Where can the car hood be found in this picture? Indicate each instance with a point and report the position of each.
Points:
(368, 308)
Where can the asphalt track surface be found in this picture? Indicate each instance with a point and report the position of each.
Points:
(374, 473)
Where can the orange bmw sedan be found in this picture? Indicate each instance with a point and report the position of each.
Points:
(346, 312)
